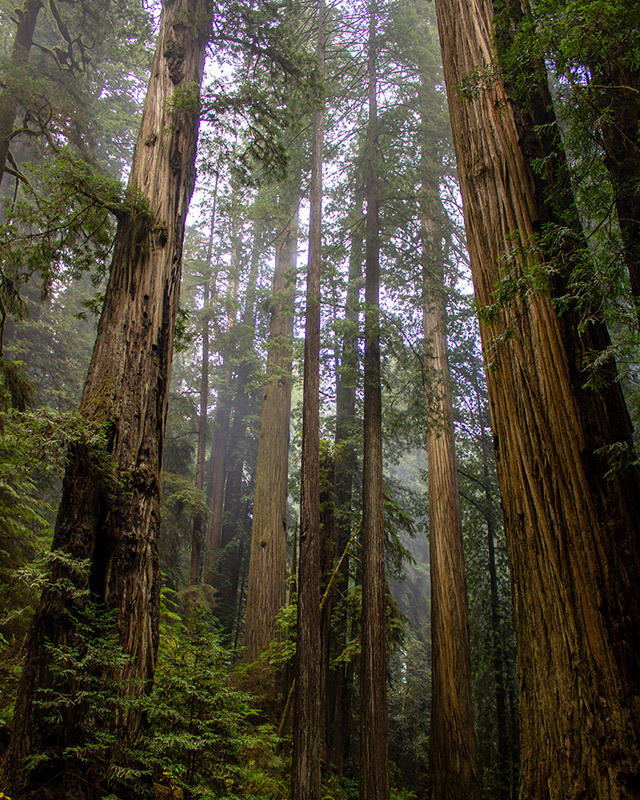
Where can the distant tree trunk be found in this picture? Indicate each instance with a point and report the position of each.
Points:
(374, 747)
(27, 16)
(621, 139)
(235, 463)
(266, 591)
(197, 536)
(112, 522)
(506, 732)
(505, 790)
(569, 485)
(234, 516)
(339, 720)
(454, 764)
(306, 778)
(222, 416)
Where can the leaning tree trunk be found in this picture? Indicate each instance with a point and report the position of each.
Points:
(305, 778)
(454, 764)
(27, 16)
(266, 591)
(109, 512)
(569, 484)
(374, 747)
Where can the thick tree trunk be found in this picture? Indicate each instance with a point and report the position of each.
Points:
(27, 15)
(306, 778)
(109, 512)
(266, 591)
(569, 487)
(374, 747)
(454, 764)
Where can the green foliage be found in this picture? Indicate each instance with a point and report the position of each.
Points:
(89, 687)
(200, 734)
(62, 227)
(203, 731)
(33, 446)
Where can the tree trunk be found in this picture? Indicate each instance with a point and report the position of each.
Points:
(109, 512)
(266, 591)
(306, 778)
(454, 764)
(339, 722)
(234, 518)
(197, 536)
(9, 96)
(569, 486)
(222, 418)
(505, 790)
(374, 747)
(232, 515)
(621, 140)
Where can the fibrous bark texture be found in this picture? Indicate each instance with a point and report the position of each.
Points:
(307, 735)
(454, 767)
(338, 724)
(374, 746)
(266, 592)
(109, 512)
(569, 489)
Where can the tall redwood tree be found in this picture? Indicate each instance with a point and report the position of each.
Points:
(570, 490)
(109, 513)
(374, 737)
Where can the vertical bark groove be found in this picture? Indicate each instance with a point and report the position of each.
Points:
(374, 746)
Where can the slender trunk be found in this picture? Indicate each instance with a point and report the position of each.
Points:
(112, 522)
(266, 591)
(237, 434)
(9, 95)
(305, 781)
(504, 751)
(374, 748)
(234, 519)
(339, 723)
(621, 140)
(197, 536)
(328, 593)
(454, 764)
(569, 487)
(222, 418)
